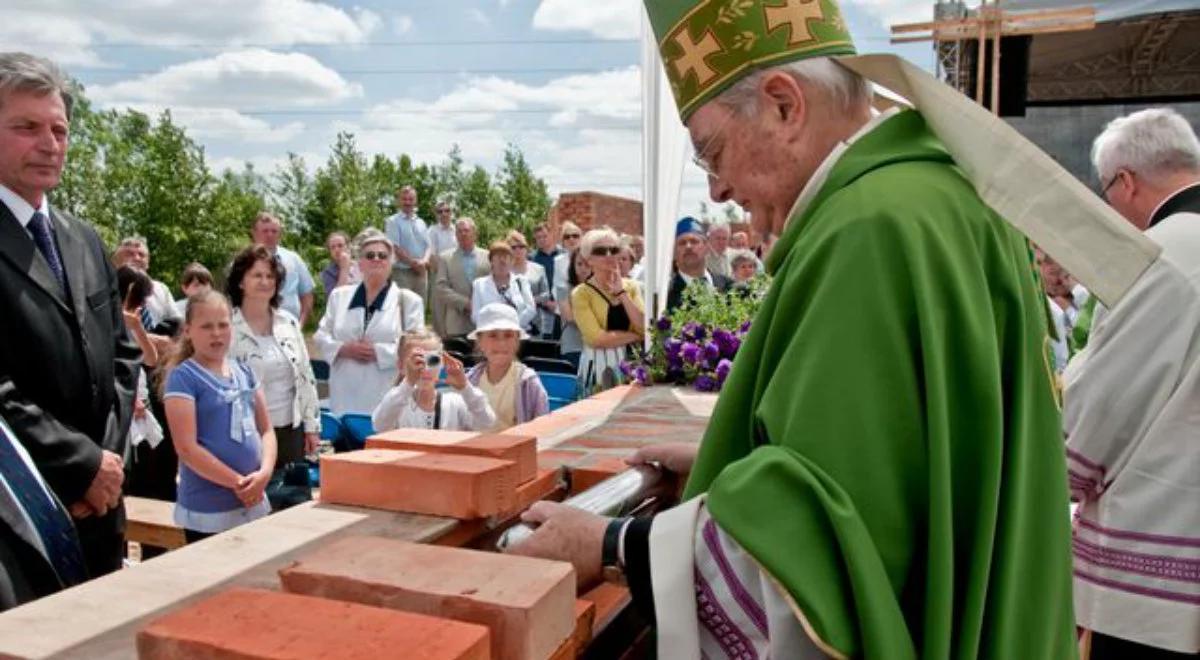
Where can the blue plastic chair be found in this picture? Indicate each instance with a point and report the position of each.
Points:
(561, 388)
(357, 428)
(331, 428)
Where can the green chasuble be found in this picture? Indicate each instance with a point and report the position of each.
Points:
(887, 446)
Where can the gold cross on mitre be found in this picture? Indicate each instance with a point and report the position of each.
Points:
(694, 53)
(795, 14)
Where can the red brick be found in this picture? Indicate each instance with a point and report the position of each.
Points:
(526, 603)
(519, 449)
(554, 458)
(585, 619)
(245, 624)
(610, 600)
(545, 485)
(594, 469)
(415, 482)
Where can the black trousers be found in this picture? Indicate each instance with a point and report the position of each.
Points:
(102, 541)
(1106, 647)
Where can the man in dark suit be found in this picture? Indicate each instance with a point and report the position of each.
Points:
(691, 248)
(68, 371)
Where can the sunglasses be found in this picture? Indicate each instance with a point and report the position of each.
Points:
(570, 236)
(375, 256)
(518, 246)
(606, 251)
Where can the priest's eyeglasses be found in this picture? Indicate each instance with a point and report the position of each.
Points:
(708, 157)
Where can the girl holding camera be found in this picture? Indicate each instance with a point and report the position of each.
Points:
(416, 402)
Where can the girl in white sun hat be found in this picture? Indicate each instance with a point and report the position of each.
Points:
(514, 390)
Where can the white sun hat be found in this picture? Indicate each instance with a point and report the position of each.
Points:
(498, 316)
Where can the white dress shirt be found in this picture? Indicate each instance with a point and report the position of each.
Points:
(519, 295)
(354, 386)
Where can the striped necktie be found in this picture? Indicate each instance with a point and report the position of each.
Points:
(39, 227)
(53, 525)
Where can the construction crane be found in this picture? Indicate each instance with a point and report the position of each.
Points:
(955, 26)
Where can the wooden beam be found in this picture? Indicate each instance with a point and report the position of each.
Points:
(999, 16)
(979, 53)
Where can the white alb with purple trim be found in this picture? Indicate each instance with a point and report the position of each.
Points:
(1132, 419)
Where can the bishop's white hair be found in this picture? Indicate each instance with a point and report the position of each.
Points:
(1153, 143)
(849, 92)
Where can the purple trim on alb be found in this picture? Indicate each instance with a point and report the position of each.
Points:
(1085, 462)
(1184, 541)
(1163, 567)
(1161, 594)
(751, 607)
(733, 641)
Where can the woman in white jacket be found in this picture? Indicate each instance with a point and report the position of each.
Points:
(503, 286)
(360, 332)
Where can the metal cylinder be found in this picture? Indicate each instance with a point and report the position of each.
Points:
(614, 496)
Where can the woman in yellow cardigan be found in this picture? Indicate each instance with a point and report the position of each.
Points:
(608, 310)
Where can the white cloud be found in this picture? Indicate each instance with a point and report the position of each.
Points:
(402, 25)
(897, 11)
(224, 124)
(551, 127)
(251, 77)
(476, 14)
(82, 23)
(612, 19)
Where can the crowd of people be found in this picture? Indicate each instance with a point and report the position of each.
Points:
(884, 474)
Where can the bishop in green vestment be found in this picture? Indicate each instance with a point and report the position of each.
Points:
(883, 475)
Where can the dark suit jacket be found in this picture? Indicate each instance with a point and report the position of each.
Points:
(68, 370)
(675, 291)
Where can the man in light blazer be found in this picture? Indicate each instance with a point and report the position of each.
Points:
(68, 370)
(457, 270)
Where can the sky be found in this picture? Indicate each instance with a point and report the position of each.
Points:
(253, 80)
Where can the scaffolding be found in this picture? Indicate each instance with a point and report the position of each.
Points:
(961, 36)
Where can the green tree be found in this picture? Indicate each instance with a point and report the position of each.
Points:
(522, 198)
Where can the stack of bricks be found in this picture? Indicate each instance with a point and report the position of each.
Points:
(368, 597)
(472, 476)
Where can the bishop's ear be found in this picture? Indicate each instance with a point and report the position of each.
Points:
(783, 98)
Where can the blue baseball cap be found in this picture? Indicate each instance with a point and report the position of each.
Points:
(689, 225)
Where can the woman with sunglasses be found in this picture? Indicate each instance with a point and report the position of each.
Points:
(577, 271)
(361, 329)
(538, 284)
(608, 310)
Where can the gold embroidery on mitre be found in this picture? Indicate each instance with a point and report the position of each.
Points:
(795, 15)
(692, 61)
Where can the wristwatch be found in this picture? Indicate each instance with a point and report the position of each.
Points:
(611, 559)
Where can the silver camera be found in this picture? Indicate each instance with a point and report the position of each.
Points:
(433, 360)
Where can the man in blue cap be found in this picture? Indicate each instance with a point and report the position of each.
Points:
(691, 248)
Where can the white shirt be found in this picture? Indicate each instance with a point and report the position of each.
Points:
(1131, 402)
(687, 279)
(519, 295)
(160, 304)
(442, 238)
(279, 383)
(21, 208)
(462, 410)
(561, 264)
(355, 386)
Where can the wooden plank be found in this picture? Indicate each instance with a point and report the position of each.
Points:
(151, 522)
(99, 620)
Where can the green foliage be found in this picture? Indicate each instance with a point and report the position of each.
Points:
(132, 175)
